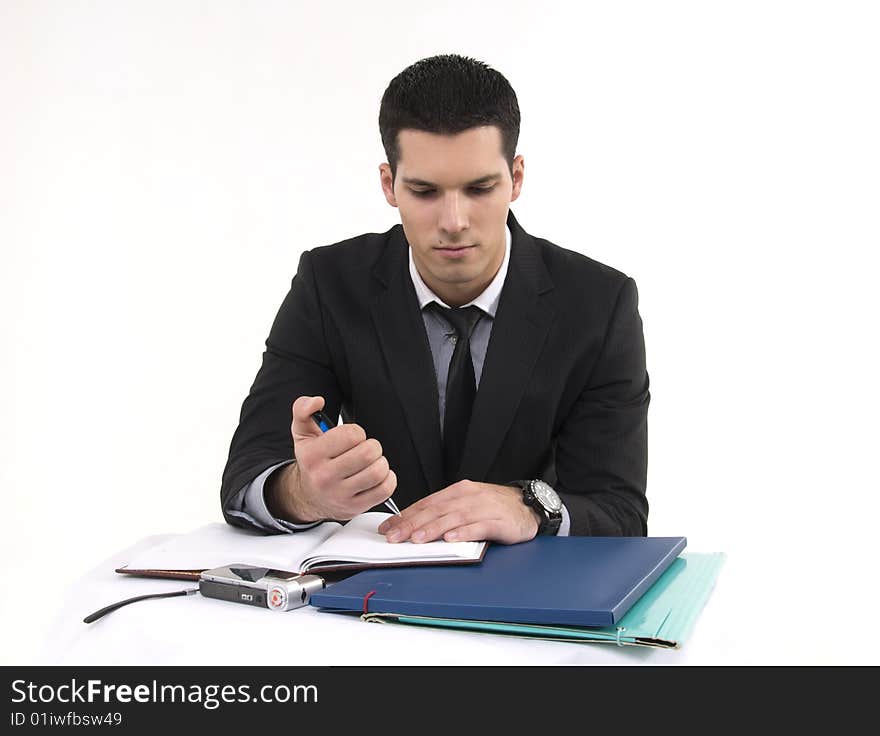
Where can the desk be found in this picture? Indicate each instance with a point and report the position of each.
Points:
(192, 630)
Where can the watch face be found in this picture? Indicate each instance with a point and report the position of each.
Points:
(547, 496)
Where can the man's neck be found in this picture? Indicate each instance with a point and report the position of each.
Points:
(457, 294)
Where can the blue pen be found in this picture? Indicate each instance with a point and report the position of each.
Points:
(324, 423)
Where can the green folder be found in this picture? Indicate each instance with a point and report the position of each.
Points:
(663, 617)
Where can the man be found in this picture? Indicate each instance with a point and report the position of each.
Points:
(493, 382)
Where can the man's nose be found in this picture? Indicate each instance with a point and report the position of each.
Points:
(453, 216)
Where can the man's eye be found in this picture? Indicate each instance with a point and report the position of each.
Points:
(425, 193)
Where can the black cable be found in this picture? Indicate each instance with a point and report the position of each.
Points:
(108, 609)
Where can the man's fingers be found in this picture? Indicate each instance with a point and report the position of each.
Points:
(425, 524)
(347, 506)
(476, 532)
(339, 438)
(434, 529)
(399, 532)
(422, 514)
(439, 502)
(356, 459)
(342, 438)
(368, 478)
(399, 528)
(334, 442)
(376, 495)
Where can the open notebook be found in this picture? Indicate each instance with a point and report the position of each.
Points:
(327, 547)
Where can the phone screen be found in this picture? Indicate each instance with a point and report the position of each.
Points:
(283, 574)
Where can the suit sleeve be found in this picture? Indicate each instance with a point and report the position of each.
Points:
(296, 363)
(602, 447)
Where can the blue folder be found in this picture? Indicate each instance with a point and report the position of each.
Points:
(564, 581)
(662, 618)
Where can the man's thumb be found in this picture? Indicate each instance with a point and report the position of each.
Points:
(303, 408)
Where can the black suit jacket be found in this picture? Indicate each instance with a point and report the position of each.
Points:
(563, 394)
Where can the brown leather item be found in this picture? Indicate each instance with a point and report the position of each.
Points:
(168, 574)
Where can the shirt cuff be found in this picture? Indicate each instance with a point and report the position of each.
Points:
(250, 504)
(565, 526)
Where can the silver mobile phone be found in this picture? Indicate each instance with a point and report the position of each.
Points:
(278, 590)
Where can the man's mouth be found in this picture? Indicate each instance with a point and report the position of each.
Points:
(454, 252)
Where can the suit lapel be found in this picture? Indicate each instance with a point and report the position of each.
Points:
(519, 331)
(404, 343)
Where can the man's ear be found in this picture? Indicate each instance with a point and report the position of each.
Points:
(387, 185)
(519, 165)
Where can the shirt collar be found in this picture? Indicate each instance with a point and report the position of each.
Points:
(487, 301)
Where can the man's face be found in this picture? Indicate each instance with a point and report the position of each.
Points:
(453, 192)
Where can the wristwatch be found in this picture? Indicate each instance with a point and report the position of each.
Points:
(540, 496)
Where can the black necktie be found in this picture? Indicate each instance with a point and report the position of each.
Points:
(461, 386)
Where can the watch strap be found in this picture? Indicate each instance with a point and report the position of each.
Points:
(550, 521)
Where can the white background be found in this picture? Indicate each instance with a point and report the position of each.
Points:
(163, 165)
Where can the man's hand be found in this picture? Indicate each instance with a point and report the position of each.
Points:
(338, 474)
(465, 512)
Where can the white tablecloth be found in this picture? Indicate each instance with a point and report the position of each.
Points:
(201, 631)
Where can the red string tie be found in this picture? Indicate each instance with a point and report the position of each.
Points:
(366, 598)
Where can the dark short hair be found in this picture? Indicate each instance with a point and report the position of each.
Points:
(448, 94)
